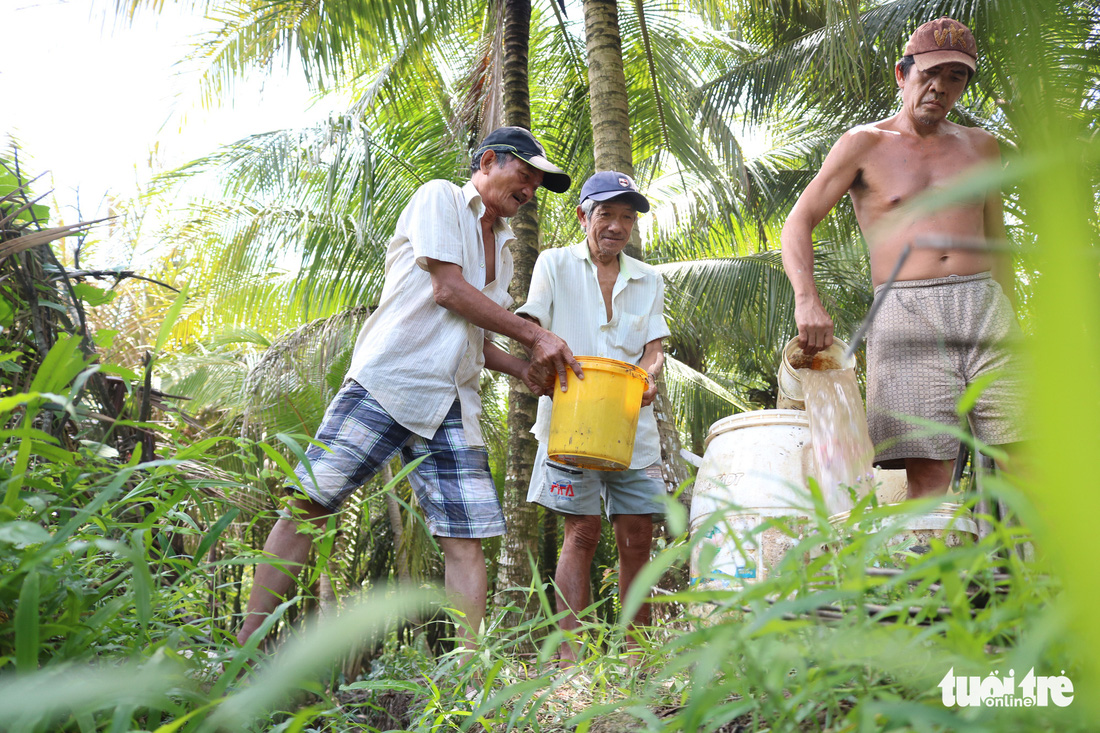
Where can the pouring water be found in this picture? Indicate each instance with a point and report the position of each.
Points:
(838, 430)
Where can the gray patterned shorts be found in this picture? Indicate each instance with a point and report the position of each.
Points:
(928, 342)
(453, 484)
(569, 490)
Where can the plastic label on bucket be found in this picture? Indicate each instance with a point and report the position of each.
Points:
(722, 579)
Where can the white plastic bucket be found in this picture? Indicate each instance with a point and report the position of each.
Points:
(891, 485)
(790, 384)
(947, 522)
(758, 461)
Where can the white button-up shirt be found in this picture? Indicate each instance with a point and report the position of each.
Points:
(414, 356)
(565, 297)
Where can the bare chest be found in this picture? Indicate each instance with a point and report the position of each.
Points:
(902, 169)
(488, 244)
(607, 280)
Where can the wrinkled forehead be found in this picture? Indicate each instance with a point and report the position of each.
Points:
(948, 67)
(519, 164)
(536, 173)
(618, 205)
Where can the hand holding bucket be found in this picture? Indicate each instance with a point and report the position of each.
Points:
(550, 352)
(794, 358)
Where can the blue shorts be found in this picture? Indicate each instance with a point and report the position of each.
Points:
(569, 490)
(453, 485)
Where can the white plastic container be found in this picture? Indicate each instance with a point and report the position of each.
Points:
(891, 485)
(947, 522)
(758, 461)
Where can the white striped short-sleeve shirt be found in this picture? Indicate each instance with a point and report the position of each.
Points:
(566, 299)
(414, 356)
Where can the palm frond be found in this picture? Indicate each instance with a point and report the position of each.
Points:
(290, 386)
(742, 308)
(699, 399)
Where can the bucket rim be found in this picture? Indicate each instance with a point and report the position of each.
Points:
(796, 418)
(948, 515)
(837, 349)
(606, 363)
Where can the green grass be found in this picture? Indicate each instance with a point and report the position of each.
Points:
(106, 627)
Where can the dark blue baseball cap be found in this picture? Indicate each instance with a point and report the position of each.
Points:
(606, 185)
(522, 144)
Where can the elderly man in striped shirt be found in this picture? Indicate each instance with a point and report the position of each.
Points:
(413, 382)
(603, 303)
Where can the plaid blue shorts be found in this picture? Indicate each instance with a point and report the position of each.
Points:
(453, 485)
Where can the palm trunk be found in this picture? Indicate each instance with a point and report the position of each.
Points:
(397, 528)
(607, 87)
(611, 141)
(521, 540)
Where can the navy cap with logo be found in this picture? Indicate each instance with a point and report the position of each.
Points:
(605, 185)
(522, 144)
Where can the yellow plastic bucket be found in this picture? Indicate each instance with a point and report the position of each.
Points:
(594, 421)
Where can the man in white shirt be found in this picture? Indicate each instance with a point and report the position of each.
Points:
(607, 304)
(413, 382)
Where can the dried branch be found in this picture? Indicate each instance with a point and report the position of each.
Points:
(27, 241)
(118, 275)
(12, 215)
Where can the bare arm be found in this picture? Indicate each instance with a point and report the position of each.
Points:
(653, 360)
(452, 292)
(538, 374)
(837, 174)
(994, 225)
(500, 360)
(533, 320)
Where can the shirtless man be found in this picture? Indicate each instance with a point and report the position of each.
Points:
(945, 321)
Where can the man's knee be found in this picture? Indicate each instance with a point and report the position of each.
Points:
(582, 532)
(461, 549)
(633, 535)
(301, 512)
(303, 507)
(927, 476)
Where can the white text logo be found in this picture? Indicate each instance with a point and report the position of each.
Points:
(1005, 692)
